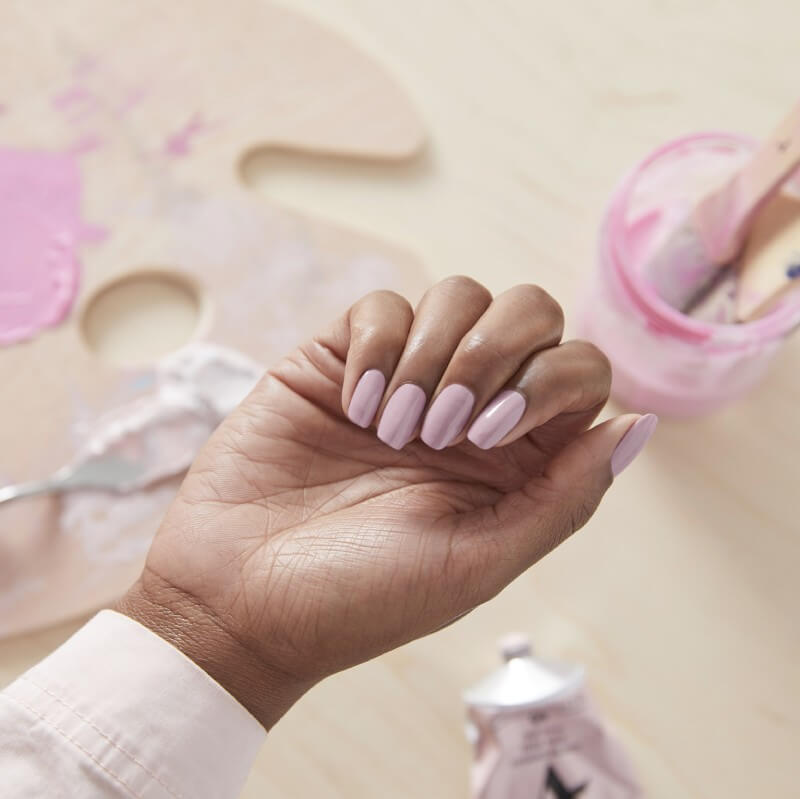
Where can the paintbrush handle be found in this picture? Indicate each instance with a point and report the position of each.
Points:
(769, 265)
(728, 214)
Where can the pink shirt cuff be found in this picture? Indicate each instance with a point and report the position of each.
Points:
(128, 709)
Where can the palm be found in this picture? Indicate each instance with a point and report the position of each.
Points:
(318, 531)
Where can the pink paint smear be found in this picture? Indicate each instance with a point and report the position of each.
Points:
(75, 98)
(86, 144)
(179, 143)
(40, 232)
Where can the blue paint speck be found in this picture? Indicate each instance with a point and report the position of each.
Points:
(142, 381)
(793, 271)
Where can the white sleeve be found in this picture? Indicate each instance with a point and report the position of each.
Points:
(118, 712)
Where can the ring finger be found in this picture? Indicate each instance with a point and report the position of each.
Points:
(573, 378)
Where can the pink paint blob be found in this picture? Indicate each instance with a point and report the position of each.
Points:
(74, 95)
(130, 100)
(86, 144)
(664, 361)
(40, 232)
(179, 143)
(85, 65)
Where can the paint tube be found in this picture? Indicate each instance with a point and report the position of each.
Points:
(536, 734)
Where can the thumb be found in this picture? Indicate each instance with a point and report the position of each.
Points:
(532, 521)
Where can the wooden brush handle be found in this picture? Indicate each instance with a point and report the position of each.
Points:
(776, 158)
(767, 267)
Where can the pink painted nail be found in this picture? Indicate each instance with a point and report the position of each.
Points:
(401, 414)
(497, 420)
(633, 442)
(366, 398)
(447, 416)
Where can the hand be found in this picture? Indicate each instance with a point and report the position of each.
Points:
(300, 543)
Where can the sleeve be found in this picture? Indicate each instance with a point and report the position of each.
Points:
(118, 712)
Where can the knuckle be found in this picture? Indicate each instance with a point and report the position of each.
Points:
(386, 299)
(598, 361)
(461, 286)
(539, 302)
(478, 348)
(373, 335)
(546, 372)
(581, 513)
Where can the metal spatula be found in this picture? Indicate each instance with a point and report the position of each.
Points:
(104, 472)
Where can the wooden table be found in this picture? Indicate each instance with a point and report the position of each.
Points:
(680, 596)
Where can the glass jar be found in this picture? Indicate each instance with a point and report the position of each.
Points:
(664, 361)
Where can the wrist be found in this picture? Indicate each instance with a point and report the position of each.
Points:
(183, 622)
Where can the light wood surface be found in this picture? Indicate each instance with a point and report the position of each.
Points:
(681, 595)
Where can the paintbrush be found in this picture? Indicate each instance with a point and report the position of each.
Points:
(764, 273)
(769, 266)
(713, 234)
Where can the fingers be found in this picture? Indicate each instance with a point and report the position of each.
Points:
(571, 378)
(488, 370)
(521, 321)
(445, 315)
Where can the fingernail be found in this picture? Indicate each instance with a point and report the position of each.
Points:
(497, 419)
(447, 416)
(366, 398)
(401, 414)
(633, 442)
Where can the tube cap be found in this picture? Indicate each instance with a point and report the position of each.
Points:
(514, 645)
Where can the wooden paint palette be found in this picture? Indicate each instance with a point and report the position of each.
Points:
(158, 103)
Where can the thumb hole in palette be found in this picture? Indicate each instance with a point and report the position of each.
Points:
(139, 317)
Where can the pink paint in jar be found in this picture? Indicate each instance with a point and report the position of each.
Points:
(664, 361)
